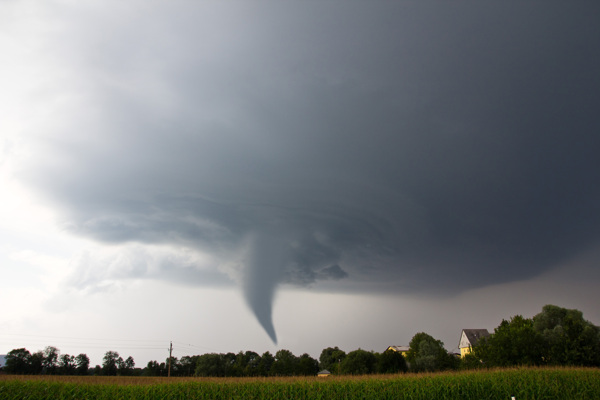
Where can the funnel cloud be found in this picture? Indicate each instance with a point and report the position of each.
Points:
(387, 147)
(263, 274)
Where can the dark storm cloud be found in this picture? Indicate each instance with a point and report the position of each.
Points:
(409, 146)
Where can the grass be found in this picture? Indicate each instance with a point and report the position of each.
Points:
(523, 383)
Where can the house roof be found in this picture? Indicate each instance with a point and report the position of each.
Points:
(473, 335)
(324, 372)
(398, 348)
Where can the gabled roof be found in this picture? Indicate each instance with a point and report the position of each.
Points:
(473, 335)
(399, 349)
(324, 372)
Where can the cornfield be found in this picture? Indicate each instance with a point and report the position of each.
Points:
(522, 384)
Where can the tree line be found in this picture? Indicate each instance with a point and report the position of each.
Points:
(555, 336)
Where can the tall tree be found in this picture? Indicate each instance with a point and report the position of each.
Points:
(265, 364)
(66, 364)
(82, 362)
(570, 339)
(307, 365)
(285, 363)
(18, 361)
(212, 364)
(50, 362)
(230, 365)
(359, 362)
(110, 363)
(513, 342)
(426, 353)
(188, 365)
(330, 359)
(36, 362)
(154, 368)
(125, 367)
(391, 362)
(248, 362)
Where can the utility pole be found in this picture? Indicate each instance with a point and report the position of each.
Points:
(170, 353)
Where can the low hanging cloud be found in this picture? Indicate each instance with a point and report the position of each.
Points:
(414, 148)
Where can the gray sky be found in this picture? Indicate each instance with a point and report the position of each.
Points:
(240, 165)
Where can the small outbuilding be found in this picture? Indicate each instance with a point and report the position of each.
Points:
(324, 373)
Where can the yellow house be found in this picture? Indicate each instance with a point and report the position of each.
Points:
(400, 349)
(469, 338)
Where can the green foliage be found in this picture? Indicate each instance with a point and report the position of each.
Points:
(125, 367)
(359, 362)
(513, 342)
(331, 358)
(36, 363)
(110, 363)
(265, 364)
(154, 368)
(428, 354)
(471, 361)
(186, 366)
(570, 339)
(212, 364)
(307, 365)
(285, 363)
(18, 362)
(66, 364)
(50, 360)
(82, 363)
(391, 362)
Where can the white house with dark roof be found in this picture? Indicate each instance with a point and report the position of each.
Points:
(469, 338)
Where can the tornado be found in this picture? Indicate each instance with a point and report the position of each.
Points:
(264, 263)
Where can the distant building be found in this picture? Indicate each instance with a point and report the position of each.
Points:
(323, 374)
(400, 349)
(469, 338)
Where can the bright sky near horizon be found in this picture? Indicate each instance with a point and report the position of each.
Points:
(264, 175)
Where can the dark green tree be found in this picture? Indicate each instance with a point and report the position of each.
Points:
(266, 362)
(230, 364)
(307, 365)
(471, 361)
(18, 362)
(36, 363)
(359, 362)
(426, 353)
(110, 363)
(66, 364)
(154, 368)
(285, 363)
(82, 364)
(391, 362)
(330, 359)
(570, 339)
(50, 361)
(248, 363)
(212, 364)
(187, 365)
(125, 367)
(513, 342)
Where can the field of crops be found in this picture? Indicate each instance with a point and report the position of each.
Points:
(526, 383)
